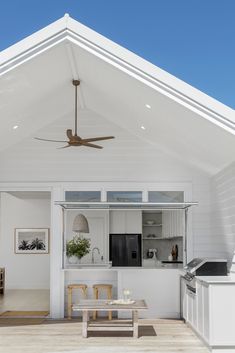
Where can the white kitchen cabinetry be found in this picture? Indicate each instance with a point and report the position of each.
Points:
(200, 308)
(191, 308)
(211, 313)
(172, 223)
(129, 222)
(183, 299)
(222, 315)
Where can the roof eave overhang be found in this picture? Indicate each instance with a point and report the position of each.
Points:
(70, 31)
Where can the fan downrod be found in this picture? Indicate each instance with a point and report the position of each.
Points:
(74, 139)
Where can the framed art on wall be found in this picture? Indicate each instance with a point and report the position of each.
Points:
(31, 240)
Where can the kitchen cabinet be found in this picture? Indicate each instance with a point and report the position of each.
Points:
(183, 299)
(205, 311)
(197, 310)
(172, 223)
(211, 312)
(219, 314)
(123, 222)
(200, 308)
(191, 308)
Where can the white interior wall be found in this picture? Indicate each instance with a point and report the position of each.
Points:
(223, 214)
(23, 271)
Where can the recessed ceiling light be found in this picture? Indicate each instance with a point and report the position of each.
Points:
(15, 127)
(143, 127)
(148, 106)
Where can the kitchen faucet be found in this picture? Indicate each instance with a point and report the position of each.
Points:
(92, 254)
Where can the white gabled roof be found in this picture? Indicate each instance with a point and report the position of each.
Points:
(116, 84)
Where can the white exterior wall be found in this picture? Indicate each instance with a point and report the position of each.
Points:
(201, 223)
(223, 214)
(120, 167)
(122, 164)
(23, 271)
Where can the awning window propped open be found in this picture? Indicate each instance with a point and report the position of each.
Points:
(71, 205)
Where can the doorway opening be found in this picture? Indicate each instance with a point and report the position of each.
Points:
(25, 218)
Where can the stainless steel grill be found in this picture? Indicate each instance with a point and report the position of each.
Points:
(203, 267)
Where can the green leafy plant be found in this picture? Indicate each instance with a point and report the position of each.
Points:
(78, 247)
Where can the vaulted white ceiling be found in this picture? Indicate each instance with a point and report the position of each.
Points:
(36, 93)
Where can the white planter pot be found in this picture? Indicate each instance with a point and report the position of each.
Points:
(72, 260)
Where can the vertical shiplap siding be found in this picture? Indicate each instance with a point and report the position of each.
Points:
(223, 213)
(202, 243)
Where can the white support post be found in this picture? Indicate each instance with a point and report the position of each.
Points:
(56, 251)
(185, 236)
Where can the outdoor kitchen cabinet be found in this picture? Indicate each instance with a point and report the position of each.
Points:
(202, 307)
(195, 309)
(210, 312)
(191, 309)
(218, 314)
(183, 299)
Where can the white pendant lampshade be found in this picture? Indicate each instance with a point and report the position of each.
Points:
(80, 224)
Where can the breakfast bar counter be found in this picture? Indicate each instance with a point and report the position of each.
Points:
(160, 286)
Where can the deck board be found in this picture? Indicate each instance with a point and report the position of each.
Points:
(156, 336)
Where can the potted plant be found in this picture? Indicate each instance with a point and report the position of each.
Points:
(77, 247)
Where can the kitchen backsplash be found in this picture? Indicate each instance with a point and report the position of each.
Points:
(163, 247)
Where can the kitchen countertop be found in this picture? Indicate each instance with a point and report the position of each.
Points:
(94, 268)
(217, 279)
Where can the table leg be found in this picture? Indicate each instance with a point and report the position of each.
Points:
(135, 323)
(69, 303)
(84, 323)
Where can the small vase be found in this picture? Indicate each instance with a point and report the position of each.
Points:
(73, 260)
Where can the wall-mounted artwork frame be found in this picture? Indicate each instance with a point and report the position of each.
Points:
(31, 240)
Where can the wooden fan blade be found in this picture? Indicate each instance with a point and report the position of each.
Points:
(69, 133)
(38, 138)
(90, 144)
(59, 148)
(98, 138)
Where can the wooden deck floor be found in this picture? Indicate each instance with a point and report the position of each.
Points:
(155, 336)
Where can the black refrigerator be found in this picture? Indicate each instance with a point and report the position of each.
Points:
(125, 249)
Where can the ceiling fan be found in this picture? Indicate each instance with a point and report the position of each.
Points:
(73, 139)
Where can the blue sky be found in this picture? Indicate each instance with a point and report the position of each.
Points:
(192, 39)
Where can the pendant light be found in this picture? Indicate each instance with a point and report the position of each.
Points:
(80, 224)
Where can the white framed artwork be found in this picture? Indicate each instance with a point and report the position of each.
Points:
(31, 240)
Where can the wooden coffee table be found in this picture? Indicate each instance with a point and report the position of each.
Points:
(87, 305)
